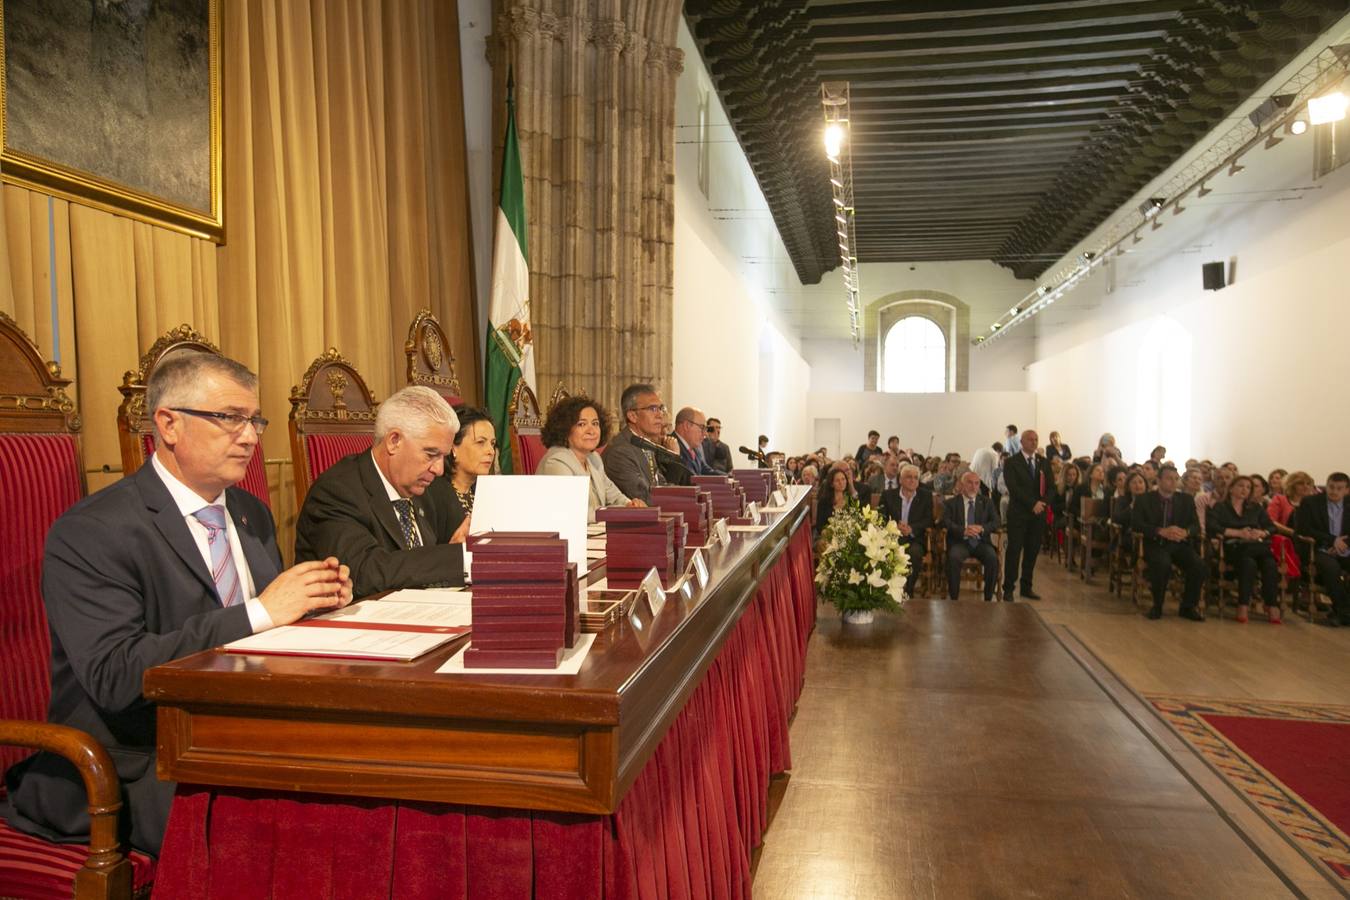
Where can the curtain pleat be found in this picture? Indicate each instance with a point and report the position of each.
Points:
(346, 211)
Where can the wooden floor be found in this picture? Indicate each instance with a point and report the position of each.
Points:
(960, 750)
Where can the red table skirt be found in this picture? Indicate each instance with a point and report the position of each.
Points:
(685, 829)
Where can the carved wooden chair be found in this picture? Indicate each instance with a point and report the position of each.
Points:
(332, 416)
(136, 427)
(41, 475)
(430, 361)
(560, 394)
(1094, 519)
(525, 425)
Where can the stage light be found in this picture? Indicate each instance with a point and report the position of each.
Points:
(994, 327)
(837, 201)
(1044, 289)
(836, 182)
(834, 140)
(1327, 108)
(1149, 208)
(1298, 126)
(1269, 107)
(841, 220)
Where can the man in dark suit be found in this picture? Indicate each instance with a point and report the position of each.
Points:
(636, 458)
(970, 520)
(888, 479)
(1167, 520)
(1027, 478)
(716, 453)
(388, 513)
(691, 425)
(910, 507)
(1322, 517)
(167, 562)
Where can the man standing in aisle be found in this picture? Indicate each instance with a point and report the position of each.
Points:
(1027, 478)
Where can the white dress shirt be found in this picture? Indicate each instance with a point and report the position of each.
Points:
(189, 503)
(395, 495)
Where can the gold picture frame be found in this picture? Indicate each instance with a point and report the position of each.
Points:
(161, 57)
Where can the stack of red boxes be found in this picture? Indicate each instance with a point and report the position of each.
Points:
(758, 483)
(638, 540)
(691, 502)
(728, 497)
(524, 602)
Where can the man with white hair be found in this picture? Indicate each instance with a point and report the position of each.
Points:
(387, 513)
(910, 506)
(171, 560)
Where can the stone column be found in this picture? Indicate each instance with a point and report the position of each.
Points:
(595, 101)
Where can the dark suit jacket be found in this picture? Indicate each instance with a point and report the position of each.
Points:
(954, 518)
(126, 589)
(1024, 486)
(1312, 520)
(693, 461)
(1147, 516)
(347, 514)
(920, 510)
(718, 455)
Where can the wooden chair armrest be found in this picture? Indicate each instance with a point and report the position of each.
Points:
(106, 872)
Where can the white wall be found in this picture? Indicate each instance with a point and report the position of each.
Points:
(734, 356)
(836, 365)
(1255, 372)
(961, 421)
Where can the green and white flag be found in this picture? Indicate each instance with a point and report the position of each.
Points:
(509, 354)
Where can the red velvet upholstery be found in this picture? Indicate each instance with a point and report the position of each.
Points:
(325, 449)
(39, 480)
(255, 476)
(685, 829)
(36, 870)
(531, 452)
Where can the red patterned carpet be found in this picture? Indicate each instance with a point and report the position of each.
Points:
(1290, 761)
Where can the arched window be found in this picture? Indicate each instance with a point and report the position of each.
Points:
(915, 357)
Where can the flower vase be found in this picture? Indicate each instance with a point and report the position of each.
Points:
(859, 616)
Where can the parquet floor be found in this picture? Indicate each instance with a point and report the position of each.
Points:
(960, 750)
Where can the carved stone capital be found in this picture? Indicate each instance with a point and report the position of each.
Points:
(610, 34)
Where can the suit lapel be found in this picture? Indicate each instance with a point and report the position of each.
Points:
(261, 564)
(424, 524)
(169, 521)
(380, 506)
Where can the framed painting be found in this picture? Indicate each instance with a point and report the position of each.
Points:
(115, 104)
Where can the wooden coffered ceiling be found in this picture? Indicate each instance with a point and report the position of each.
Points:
(988, 129)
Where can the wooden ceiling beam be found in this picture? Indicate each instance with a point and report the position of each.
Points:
(1075, 37)
(879, 22)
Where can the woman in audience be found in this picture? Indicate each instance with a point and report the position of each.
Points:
(930, 470)
(1260, 490)
(474, 451)
(1116, 478)
(575, 427)
(1122, 509)
(837, 492)
(1244, 528)
(1276, 481)
(810, 474)
(1069, 478)
(794, 470)
(1093, 489)
(1159, 453)
(1281, 509)
(944, 482)
(1057, 449)
(1105, 441)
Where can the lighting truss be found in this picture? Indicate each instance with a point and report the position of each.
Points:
(839, 152)
(1323, 71)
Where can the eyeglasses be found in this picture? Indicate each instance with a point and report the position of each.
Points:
(231, 422)
(654, 408)
(713, 428)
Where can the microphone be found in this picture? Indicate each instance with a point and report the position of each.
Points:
(658, 449)
(753, 454)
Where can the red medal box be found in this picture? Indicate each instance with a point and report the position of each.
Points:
(512, 659)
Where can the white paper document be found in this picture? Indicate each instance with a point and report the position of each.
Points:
(398, 612)
(538, 503)
(750, 528)
(354, 643)
(570, 665)
(438, 596)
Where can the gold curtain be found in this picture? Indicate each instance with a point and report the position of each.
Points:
(346, 211)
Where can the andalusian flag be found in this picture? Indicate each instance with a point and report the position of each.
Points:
(509, 357)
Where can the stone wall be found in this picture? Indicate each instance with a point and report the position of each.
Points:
(595, 98)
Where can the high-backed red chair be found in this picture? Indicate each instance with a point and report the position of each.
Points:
(560, 393)
(41, 475)
(525, 425)
(430, 362)
(135, 427)
(332, 416)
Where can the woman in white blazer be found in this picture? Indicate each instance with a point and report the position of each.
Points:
(574, 429)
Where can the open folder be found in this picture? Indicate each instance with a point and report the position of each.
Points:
(392, 629)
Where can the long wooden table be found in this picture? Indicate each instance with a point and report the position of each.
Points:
(536, 743)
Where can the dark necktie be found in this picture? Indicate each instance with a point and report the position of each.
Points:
(970, 520)
(1167, 512)
(405, 520)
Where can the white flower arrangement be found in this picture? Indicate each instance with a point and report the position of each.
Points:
(862, 565)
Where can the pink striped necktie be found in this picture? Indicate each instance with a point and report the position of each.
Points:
(223, 571)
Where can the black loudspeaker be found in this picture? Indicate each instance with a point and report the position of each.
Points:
(1213, 273)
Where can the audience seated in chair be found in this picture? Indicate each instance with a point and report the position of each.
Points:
(1322, 520)
(1166, 519)
(1242, 530)
(970, 522)
(910, 507)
